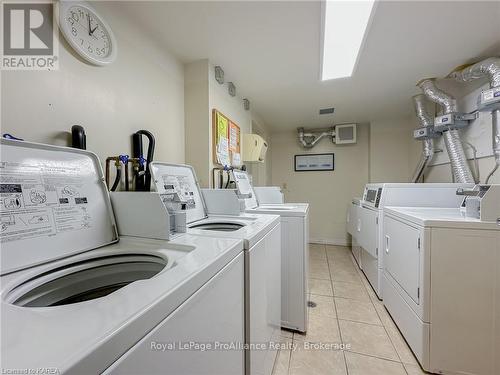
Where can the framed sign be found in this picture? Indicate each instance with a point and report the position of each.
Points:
(314, 162)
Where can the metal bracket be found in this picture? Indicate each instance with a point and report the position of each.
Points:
(455, 120)
(425, 133)
(489, 100)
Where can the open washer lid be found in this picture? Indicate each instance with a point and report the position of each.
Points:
(245, 187)
(180, 185)
(53, 203)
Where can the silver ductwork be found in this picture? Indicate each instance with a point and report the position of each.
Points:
(459, 166)
(489, 68)
(309, 140)
(425, 121)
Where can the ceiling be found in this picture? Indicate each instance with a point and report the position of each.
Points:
(271, 51)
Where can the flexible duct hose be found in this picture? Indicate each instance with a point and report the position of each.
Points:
(425, 120)
(459, 166)
(490, 68)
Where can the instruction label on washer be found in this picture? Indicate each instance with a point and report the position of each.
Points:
(41, 200)
(178, 190)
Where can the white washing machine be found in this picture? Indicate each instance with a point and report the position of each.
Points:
(441, 286)
(294, 252)
(269, 194)
(262, 243)
(76, 298)
(365, 219)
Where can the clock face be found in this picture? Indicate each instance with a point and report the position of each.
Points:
(87, 33)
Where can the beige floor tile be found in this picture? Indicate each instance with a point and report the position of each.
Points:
(324, 306)
(367, 339)
(384, 316)
(350, 290)
(341, 265)
(321, 328)
(402, 348)
(359, 311)
(415, 370)
(358, 364)
(282, 363)
(343, 275)
(319, 270)
(321, 287)
(317, 251)
(317, 362)
(334, 249)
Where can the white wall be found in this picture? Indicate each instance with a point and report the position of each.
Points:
(198, 134)
(328, 193)
(391, 147)
(143, 89)
(203, 94)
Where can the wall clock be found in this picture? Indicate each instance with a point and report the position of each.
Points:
(87, 32)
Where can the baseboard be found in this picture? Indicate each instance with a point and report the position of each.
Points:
(334, 241)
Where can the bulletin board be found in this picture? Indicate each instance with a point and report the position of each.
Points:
(226, 142)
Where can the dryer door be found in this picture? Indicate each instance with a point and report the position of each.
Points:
(367, 228)
(402, 255)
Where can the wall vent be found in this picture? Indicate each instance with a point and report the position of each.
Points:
(326, 111)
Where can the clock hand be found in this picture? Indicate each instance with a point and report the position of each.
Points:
(94, 29)
(90, 27)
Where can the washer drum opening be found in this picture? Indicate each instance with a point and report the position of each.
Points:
(223, 227)
(86, 280)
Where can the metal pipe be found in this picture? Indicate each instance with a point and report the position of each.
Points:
(315, 138)
(425, 120)
(495, 117)
(459, 166)
(489, 67)
(435, 94)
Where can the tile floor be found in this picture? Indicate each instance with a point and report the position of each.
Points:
(347, 312)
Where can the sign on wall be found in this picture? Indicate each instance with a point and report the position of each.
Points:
(226, 140)
(314, 162)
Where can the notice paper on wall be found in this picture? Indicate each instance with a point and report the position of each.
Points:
(226, 140)
(222, 146)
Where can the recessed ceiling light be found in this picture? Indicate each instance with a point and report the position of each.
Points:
(344, 26)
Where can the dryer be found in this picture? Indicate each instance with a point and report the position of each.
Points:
(77, 298)
(368, 226)
(294, 219)
(261, 235)
(441, 285)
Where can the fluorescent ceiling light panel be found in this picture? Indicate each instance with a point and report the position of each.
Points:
(344, 27)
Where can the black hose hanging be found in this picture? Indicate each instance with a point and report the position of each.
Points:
(117, 178)
(78, 137)
(143, 182)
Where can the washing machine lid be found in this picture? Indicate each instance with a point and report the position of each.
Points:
(53, 203)
(179, 184)
(245, 187)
